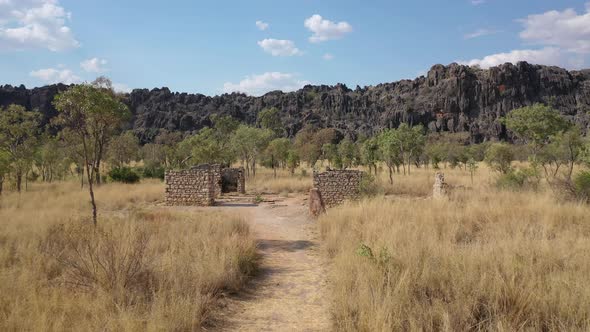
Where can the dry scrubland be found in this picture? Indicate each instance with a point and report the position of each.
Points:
(143, 269)
(484, 260)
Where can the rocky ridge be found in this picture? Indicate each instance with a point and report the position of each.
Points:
(453, 98)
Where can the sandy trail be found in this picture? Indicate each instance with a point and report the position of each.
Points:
(289, 292)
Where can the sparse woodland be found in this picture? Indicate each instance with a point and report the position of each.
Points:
(84, 244)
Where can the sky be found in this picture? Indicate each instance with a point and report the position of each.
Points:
(256, 46)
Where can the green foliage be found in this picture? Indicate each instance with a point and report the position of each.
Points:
(582, 185)
(124, 175)
(369, 153)
(368, 186)
(249, 143)
(525, 178)
(499, 157)
(348, 153)
(18, 138)
(277, 152)
(270, 118)
(535, 124)
(152, 172)
(309, 143)
(292, 161)
(123, 149)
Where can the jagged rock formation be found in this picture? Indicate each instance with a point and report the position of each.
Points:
(453, 98)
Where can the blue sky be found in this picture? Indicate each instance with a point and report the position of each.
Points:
(213, 47)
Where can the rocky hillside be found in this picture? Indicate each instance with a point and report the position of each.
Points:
(451, 98)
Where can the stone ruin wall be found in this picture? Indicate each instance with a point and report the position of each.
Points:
(195, 186)
(200, 185)
(234, 176)
(337, 186)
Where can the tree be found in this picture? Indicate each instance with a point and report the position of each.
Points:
(18, 129)
(347, 150)
(389, 150)
(411, 141)
(472, 167)
(292, 161)
(4, 168)
(309, 143)
(51, 159)
(499, 157)
(370, 153)
(330, 152)
(277, 152)
(249, 143)
(90, 115)
(123, 149)
(270, 118)
(535, 125)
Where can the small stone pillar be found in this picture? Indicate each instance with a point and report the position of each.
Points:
(316, 206)
(440, 190)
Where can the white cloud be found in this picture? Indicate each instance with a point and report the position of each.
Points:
(480, 33)
(328, 57)
(257, 85)
(547, 56)
(94, 65)
(563, 38)
(32, 24)
(326, 30)
(53, 75)
(278, 47)
(567, 30)
(478, 2)
(261, 25)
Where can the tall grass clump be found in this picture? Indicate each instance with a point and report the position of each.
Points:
(143, 268)
(484, 260)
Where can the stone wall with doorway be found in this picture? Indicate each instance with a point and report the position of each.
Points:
(233, 180)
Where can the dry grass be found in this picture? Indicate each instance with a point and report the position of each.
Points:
(144, 268)
(484, 260)
(284, 183)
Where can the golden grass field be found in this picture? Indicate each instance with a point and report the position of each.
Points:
(142, 269)
(485, 259)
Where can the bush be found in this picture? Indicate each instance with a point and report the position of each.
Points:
(153, 172)
(124, 175)
(582, 186)
(525, 178)
(368, 186)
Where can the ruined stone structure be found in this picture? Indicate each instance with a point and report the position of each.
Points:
(336, 186)
(233, 180)
(200, 185)
(194, 186)
(441, 189)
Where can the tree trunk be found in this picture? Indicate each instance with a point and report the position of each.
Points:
(390, 174)
(19, 180)
(92, 201)
(1, 184)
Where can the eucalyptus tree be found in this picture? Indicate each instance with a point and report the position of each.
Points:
(90, 115)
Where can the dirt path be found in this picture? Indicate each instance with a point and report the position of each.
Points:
(289, 293)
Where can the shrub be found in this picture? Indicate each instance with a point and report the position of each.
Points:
(525, 178)
(124, 175)
(499, 157)
(153, 172)
(582, 186)
(368, 186)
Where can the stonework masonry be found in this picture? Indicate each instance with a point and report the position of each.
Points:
(337, 186)
(195, 186)
(201, 185)
(233, 180)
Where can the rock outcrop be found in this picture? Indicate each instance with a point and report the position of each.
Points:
(452, 98)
